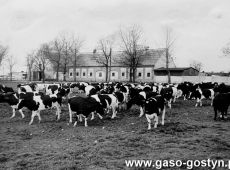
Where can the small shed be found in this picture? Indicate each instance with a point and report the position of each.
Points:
(178, 71)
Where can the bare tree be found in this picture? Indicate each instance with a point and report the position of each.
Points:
(169, 41)
(41, 60)
(30, 59)
(3, 52)
(75, 48)
(11, 63)
(197, 65)
(104, 57)
(57, 48)
(133, 51)
(66, 57)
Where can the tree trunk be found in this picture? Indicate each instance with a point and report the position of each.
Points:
(106, 73)
(10, 75)
(57, 75)
(110, 68)
(64, 72)
(134, 75)
(74, 67)
(130, 75)
(30, 74)
(43, 75)
(167, 66)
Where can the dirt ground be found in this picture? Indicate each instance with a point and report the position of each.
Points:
(189, 133)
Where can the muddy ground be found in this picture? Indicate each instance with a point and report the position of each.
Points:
(189, 133)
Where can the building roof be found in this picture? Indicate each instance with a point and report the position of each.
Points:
(175, 69)
(89, 59)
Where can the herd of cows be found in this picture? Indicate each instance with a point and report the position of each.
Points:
(99, 98)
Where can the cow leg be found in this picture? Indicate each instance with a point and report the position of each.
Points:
(32, 117)
(70, 114)
(39, 116)
(92, 116)
(212, 101)
(13, 115)
(86, 125)
(99, 116)
(197, 101)
(75, 123)
(141, 111)
(58, 112)
(156, 120)
(77, 118)
(170, 103)
(149, 117)
(163, 117)
(20, 111)
(174, 99)
(114, 112)
(200, 102)
(225, 115)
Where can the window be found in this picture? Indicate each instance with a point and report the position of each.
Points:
(123, 74)
(83, 74)
(113, 74)
(77, 73)
(90, 74)
(139, 74)
(100, 74)
(148, 74)
(70, 74)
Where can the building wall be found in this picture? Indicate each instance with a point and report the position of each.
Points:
(97, 74)
(190, 72)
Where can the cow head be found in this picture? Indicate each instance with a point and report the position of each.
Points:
(151, 106)
(167, 93)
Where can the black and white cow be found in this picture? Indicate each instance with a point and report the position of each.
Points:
(52, 88)
(108, 101)
(221, 103)
(83, 106)
(139, 99)
(122, 100)
(31, 87)
(60, 89)
(186, 89)
(35, 102)
(169, 94)
(154, 106)
(200, 94)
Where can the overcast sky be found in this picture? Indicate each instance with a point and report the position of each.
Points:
(202, 27)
